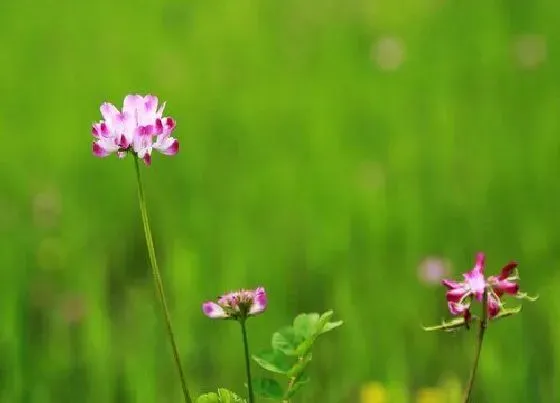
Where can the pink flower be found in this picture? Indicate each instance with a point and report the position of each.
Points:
(475, 287)
(460, 294)
(139, 128)
(237, 305)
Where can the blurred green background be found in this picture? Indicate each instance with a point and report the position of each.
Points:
(328, 148)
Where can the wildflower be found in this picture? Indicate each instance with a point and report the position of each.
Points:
(237, 305)
(460, 294)
(139, 128)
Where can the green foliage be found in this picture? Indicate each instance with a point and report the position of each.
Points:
(285, 340)
(268, 388)
(291, 354)
(223, 396)
(448, 326)
(505, 312)
(274, 361)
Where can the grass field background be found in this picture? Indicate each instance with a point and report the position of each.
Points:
(327, 148)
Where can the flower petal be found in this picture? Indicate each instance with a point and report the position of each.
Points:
(457, 308)
(98, 150)
(142, 141)
(506, 286)
(131, 103)
(213, 310)
(494, 305)
(123, 141)
(450, 284)
(104, 146)
(507, 270)
(479, 265)
(146, 110)
(109, 111)
(168, 125)
(150, 103)
(456, 295)
(147, 159)
(168, 146)
(260, 302)
(475, 278)
(100, 129)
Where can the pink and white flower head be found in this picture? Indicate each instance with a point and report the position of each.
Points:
(237, 305)
(474, 285)
(139, 128)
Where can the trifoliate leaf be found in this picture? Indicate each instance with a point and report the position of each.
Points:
(268, 388)
(305, 324)
(274, 361)
(223, 396)
(286, 340)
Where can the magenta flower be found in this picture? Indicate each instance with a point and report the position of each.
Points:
(460, 294)
(139, 128)
(237, 305)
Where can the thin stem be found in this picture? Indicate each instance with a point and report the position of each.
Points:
(480, 338)
(247, 360)
(159, 283)
(291, 383)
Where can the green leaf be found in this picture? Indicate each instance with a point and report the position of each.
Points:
(304, 348)
(322, 322)
(326, 316)
(223, 396)
(331, 325)
(309, 326)
(305, 324)
(227, 396)
(208, 398)
(324, 325)
(268, 388)
(302, 380)
(524, 295)
(285, 340)
(273, 361)
(450, 326)
(507, 312)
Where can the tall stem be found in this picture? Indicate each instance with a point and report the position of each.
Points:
(158, 283)
(247, 359)
(480, 338)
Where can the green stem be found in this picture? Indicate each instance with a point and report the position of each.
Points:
(289, 389)
(159, 283)
(480, 338)
(247, 359)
